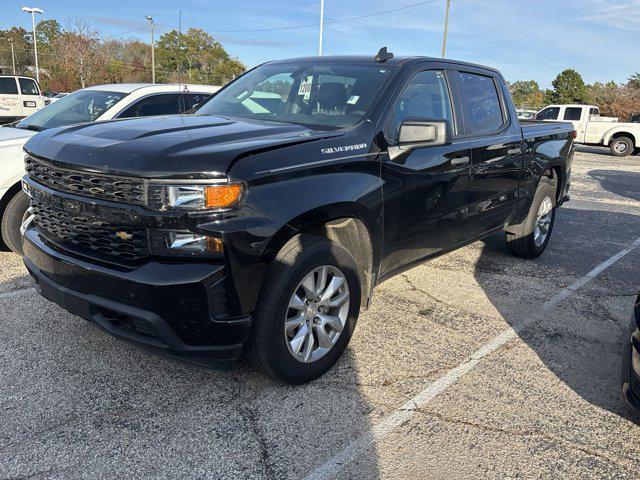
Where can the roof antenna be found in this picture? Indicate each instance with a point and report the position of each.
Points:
(383, 55)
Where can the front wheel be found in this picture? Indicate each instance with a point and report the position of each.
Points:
(529, 239)
(621, 146)
(14, 214)
(307, 310)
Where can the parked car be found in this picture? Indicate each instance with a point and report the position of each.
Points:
(102, 102)
(524, 114)
(634, 118)
(631, 362)
(266, 229)
(19, 97)
(57, 97)
(622, 138)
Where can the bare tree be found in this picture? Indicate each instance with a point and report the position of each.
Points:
(79, 54)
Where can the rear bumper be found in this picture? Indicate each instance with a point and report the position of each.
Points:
(176, 309)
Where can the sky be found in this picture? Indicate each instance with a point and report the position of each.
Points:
(525, 39)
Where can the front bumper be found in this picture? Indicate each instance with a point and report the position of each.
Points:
(177, 309)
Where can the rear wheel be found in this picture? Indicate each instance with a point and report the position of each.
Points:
(14, 214)
(621, 146)
(529, 239)
(307, 310)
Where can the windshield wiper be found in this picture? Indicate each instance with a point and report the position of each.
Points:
(35, 128)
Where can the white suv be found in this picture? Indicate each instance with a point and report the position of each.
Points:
(104, 102)
(19, 97)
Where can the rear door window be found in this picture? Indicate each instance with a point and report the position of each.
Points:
(549, 113)
(28, 86)
(572, 113)
(480, 103)
(8, 86)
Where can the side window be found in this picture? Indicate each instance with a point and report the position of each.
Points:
(480, 103)
(594, 112)
(426, 96)
(162, 104)
(549, 113)
(8, 86)
(196, 99)
(572, 113)
(28, 86)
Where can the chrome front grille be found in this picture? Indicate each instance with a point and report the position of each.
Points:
(88, 184)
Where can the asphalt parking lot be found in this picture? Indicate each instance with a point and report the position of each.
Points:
(474, 365)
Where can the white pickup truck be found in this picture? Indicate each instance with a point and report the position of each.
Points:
(622, 138)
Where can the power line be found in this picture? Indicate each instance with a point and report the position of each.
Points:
(309, 25)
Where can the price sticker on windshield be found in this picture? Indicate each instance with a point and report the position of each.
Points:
(305, 88)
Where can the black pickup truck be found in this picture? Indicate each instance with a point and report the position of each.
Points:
(263, 223)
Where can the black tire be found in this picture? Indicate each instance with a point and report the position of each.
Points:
(521, 238)
(636, 151)
(267, 348)
(621, 146)
(14, 215)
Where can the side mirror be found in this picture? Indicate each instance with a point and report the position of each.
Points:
(416, 133)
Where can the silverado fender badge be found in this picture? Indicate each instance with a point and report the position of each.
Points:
(344, 148)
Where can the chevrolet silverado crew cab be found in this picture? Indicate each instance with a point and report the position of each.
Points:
(263, 223)
(591, 129)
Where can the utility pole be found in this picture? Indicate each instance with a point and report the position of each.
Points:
(33, 11)
(446, 28)
(153, 47)
(321, 27)
(13, 56)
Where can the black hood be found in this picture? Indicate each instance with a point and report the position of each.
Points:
(167, 146)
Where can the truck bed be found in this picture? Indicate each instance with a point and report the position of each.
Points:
(536, 128)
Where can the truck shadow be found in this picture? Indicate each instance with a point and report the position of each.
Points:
(71, 388)
(621, 182)
(581, 340)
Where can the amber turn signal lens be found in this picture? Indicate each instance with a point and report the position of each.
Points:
(222, 196)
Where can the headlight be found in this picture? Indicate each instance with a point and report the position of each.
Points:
(167, 242)
(195, 197)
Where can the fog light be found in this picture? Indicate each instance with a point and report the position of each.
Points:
(176, 243)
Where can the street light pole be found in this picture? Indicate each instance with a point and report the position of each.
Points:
(446, 28)
(33, 11)
(13, 56)
(321, 27)
(153, 57)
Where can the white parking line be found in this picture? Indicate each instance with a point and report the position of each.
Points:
(397, 418)
(15, 293)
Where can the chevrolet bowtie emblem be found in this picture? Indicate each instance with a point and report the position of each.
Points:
(124, 235)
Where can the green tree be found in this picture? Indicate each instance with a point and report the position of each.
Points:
(634, 81)
(21, 40)
(569, 87)
(527, 94)
(194, 56)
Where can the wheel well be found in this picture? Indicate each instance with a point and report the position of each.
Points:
(353, 235)
(557, 174)
(4, 201)
(625, 134)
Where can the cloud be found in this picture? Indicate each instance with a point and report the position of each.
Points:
(625, 16)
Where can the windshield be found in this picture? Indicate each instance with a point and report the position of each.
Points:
(320, 95)
(79, 107)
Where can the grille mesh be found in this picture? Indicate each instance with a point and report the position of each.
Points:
(117, 189)
(90, 234)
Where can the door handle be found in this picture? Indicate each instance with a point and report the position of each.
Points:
(459, 161)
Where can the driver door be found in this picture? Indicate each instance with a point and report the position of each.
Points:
(425, 189)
